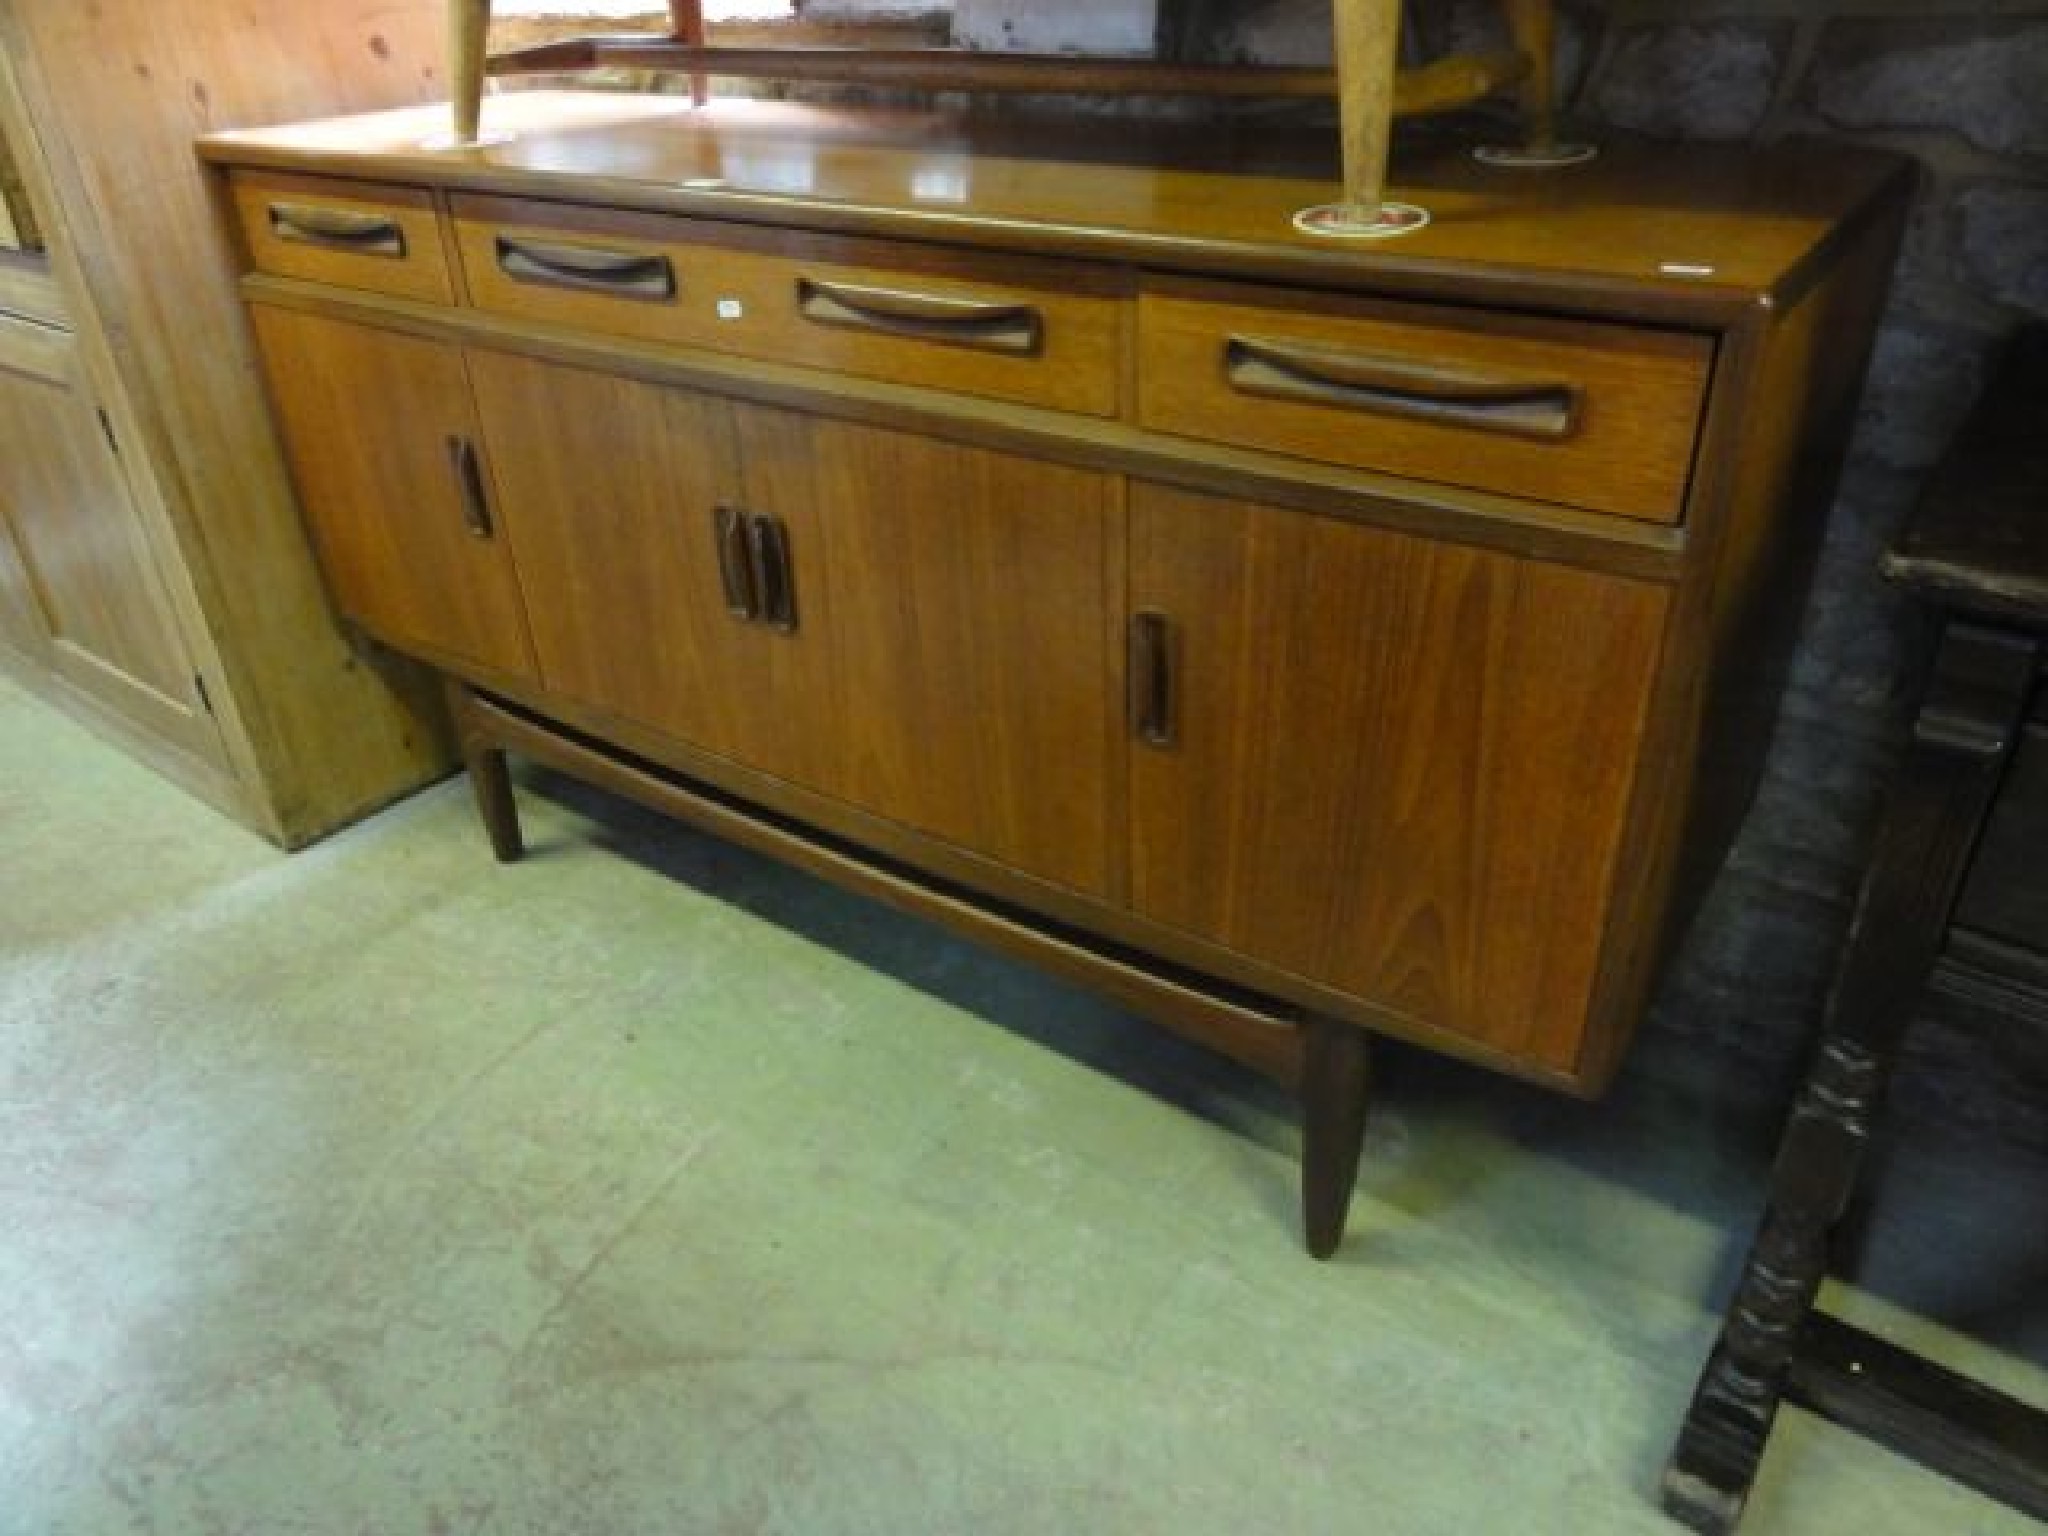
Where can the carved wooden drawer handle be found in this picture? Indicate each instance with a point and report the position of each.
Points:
(342, 229)
(1154, 691)
(773, 571)
(1018, 329)
(735, 575)
(1494, 400)
(475, 501)
(629, 274)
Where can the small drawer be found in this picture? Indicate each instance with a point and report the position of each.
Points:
(1036, 332)
(353, 234)
(1581, 413)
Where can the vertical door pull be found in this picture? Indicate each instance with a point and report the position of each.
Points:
(469, 485)
(735, 570)
(774, 575)
(1153, 699)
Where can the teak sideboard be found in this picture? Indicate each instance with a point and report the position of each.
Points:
(1022, 522)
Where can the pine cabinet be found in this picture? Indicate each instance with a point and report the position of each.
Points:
(154, 576)
(1300, 644)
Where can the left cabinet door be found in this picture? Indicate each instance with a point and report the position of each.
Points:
(392, 471)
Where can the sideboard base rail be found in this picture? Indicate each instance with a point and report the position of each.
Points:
(1324, 1062)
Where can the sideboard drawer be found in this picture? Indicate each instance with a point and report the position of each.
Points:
(1036, 332)
(1581, 413)
(351, 233)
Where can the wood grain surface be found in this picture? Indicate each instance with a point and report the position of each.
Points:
(965, 595)
(1699, 231)
(739, 291)
(418, 271)
(1402, 766)
(608, 489)
(369, 418)
(112, 632)
(311, 733)
(1636, 394)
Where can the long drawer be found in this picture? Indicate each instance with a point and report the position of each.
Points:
(1586, 414)
(354, 234)
(1036, 332)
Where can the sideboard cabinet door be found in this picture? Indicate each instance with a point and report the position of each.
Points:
(643, 567)
(1393, 766)
(392, 471)
(970, 598)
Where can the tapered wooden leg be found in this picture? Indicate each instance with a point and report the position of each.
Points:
(488, 777)
(686, 26)
(468, 22)
(1336, 1084)
(1533, 24)
(1965, 730)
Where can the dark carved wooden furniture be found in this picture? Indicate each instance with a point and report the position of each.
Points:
(1025, 524)
(1956, 891)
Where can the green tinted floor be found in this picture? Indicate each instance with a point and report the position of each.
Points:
(646, 1188)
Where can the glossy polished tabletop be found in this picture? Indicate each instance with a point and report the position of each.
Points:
(1706, 225)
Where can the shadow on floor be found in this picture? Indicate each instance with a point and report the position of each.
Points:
(1935, 1191)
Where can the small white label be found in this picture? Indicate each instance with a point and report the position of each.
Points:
(1685, 269)
(731, 309)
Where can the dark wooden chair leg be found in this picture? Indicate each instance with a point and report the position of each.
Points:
(488, 777)
(1336, 1084)
(1966, 727)
(1533, 25)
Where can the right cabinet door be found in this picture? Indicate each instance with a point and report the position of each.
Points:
(969, 599)
(1393, 766)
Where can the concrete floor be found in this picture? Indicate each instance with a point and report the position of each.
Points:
(647, 1188)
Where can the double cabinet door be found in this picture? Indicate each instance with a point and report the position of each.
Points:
(918, 629)
(1395, 767)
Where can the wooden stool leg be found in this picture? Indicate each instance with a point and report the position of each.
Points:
(488, 778)
(686, 26)
(1368, 35)
(1966, 728)
(468, 23)
(1533, 25)
(1336, 1084)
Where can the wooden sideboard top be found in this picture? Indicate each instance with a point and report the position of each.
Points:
(1685, 233)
